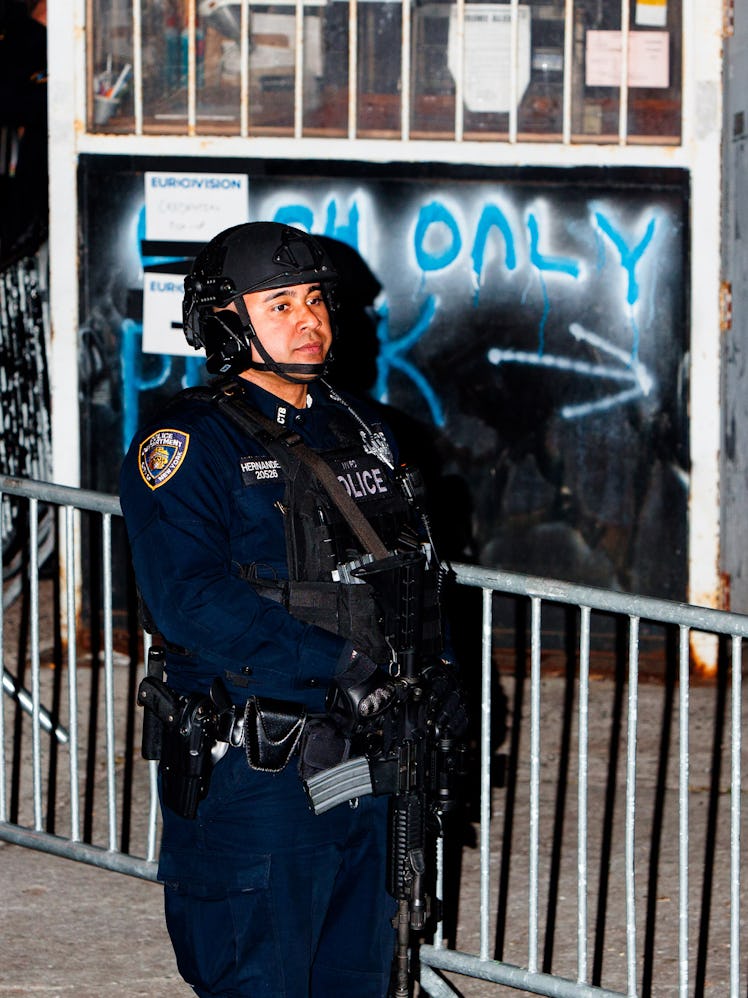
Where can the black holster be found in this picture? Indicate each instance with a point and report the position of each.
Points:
(188, 727)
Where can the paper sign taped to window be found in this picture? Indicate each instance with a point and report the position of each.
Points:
(162, 315)
(649, 59)
(193, 207)
(652, 13)
(487, 54)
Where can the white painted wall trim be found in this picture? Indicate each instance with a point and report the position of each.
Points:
(702, 134)
(65, 58)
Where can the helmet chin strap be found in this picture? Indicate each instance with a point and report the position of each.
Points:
(286, 371)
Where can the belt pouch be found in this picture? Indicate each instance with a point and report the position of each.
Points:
(272, 729)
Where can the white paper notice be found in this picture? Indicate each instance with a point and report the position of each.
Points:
(649, 59)
(162, 315)
(651, 13)
(193, 207)
(488, 39)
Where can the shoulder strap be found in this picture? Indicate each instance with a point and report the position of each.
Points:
(282, 443)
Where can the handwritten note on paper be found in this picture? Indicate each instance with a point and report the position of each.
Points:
(649, 59)
(488, 37)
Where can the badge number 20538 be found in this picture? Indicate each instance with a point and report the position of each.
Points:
(161, 455)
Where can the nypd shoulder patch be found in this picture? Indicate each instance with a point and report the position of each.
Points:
(160, 456)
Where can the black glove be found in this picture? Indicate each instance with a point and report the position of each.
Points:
(359, 695)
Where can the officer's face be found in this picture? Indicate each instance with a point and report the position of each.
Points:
(292, 323)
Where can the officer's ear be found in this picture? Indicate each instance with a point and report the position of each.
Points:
(226, 342)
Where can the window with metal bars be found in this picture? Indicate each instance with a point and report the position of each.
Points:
(571, 71)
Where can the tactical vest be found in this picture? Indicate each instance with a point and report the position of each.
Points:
(321, 547)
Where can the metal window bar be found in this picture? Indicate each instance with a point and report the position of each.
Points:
(299, 70)
(567, 74)
(244, 107)
(137, 64)
(460, 71)
(352, 68)
(191, 67)
(406, 71)
(624, 99)
(514, 72)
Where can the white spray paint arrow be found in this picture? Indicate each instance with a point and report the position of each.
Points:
(633, 372)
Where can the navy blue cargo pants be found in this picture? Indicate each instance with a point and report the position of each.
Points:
(265, 899)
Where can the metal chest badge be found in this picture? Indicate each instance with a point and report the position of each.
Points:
(160, 456)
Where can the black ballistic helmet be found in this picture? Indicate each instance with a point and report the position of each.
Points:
(254, 256)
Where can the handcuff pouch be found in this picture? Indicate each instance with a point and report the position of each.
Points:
(272, 729)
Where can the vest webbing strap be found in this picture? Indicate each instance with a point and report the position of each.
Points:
(281, 443)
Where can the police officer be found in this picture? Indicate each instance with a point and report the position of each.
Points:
(240, 556)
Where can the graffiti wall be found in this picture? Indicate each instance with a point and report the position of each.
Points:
(526, 330)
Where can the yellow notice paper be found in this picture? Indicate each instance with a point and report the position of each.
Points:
(648, 64)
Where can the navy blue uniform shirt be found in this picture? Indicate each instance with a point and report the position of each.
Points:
(200, 499)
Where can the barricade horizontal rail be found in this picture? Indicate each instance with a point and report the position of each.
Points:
(102, 671)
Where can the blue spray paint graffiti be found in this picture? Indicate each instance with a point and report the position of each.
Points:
(439, 239)
(536, 324)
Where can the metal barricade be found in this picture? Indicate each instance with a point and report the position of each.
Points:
(688, 957)
(33, 594)
(645, 936)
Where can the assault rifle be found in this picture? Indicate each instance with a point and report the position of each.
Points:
(416, 757)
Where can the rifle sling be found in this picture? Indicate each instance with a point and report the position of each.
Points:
(281, 442)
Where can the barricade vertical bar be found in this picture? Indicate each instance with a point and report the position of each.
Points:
(633, 711)
(736, 741)
(106, 537)
(532, 959)
(34, 642)
(485, 772)
(70, 580)
(683, 668)
(3, 791)
(584, 696)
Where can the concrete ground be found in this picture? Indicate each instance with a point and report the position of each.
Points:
(67, 929)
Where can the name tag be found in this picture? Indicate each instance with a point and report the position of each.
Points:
(257, 469)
